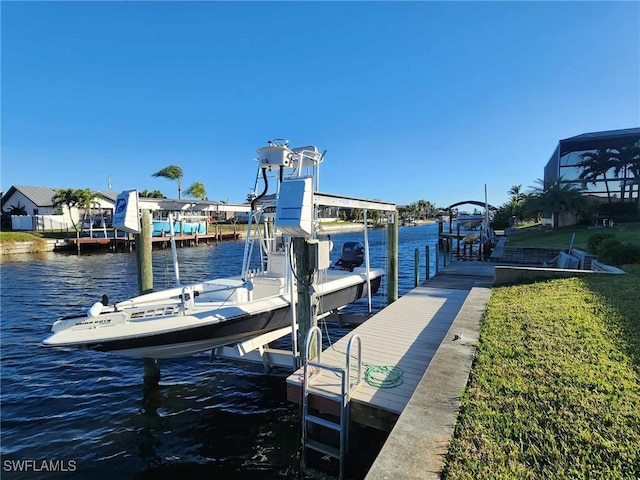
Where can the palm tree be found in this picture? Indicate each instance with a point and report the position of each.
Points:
(356, 214)
(627, 160)
(154, 194)
(66, 197)
(197, 190)
(555, 198)
(18, 210)
(414, 208)
(596, 164)
(172, 172)
(516, 194)
(425, 206)
(86, 199)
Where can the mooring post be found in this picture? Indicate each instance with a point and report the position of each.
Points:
(143, 254)
(416, 267)
(145, 285)
(392, 259)
(444, 253)
(427, 268)
(437, 257)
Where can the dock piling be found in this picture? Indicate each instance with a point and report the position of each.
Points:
(392, 259)
(427, 268)
(145, 285)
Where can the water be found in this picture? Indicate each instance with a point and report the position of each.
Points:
(85, 413)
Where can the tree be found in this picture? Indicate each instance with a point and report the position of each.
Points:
(414, 208)
(516, 194)
(18, 210)
(81, 198)
(627, 160)
(154, 194)
(197, 190)
(596, 164)
(172, 172)
(66, 197)
(425, 208)
(86, 199)
(356, 214)
(555, 198)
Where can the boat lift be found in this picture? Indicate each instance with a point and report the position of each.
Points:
(256, 349)
(298, 219)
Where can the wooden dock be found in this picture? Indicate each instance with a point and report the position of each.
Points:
(406, 335)
(128, 243)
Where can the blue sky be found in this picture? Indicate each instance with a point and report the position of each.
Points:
(416, 100)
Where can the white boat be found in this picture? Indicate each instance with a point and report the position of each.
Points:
(194, 318)
(470, 221)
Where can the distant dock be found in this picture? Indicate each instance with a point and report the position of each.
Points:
(126, 244)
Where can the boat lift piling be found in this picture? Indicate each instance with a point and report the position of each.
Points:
(145, 285)
(143, 254)
(303, 315)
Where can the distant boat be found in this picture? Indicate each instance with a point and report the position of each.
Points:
(409, 222)
(470, 221)
(193, 318)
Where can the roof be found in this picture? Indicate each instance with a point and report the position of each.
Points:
(595, 140)
(41, 196)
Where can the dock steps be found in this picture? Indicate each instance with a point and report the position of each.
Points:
(341, 426)
(322, 448)
(323, 422)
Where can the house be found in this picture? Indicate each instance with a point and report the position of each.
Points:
(606, 166)
(41, 214)
(612, 177)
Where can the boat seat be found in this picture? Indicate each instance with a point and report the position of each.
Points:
(267, 286)
(224, 289)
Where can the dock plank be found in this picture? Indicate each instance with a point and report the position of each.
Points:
(406, 334)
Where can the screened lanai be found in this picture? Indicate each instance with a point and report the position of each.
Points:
(604, 164)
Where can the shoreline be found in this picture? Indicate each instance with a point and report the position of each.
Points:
(39, 245)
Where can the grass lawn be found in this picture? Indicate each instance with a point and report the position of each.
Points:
(555, 388)
(561, 238)
(12, 237)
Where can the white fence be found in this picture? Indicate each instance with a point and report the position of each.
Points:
(40, 222)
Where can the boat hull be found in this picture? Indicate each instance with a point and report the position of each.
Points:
(198, 336)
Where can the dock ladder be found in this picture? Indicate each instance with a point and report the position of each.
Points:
(341, 427)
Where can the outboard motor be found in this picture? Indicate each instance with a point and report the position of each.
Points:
(351, 255)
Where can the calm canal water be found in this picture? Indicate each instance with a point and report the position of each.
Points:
(85, 414)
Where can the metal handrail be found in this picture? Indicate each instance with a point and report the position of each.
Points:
(353, 338)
